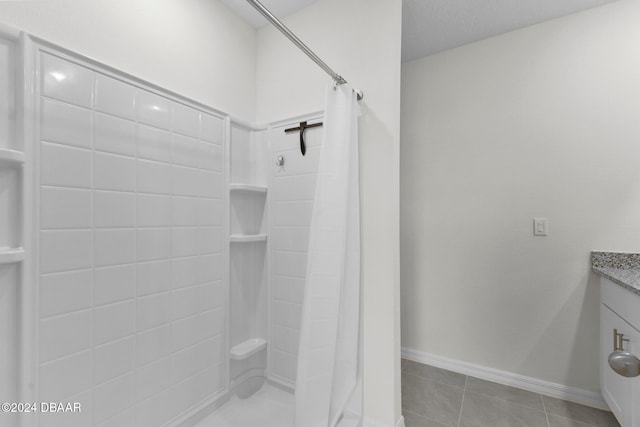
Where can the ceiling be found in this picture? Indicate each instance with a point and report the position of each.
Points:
(280, 8)
(431, 26)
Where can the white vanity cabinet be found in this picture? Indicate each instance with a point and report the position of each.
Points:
(619, 314)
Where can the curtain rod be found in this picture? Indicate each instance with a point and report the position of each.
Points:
(303, 47)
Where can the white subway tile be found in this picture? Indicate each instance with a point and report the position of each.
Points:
(210, 268)
(153, 277)
(153, 243)
(115, 135)
(293, 188)
(154, 177)
(65, 377)
(66, 81)
(185, 181)
(115, 97)
(213, 296)
(66, 124)
(113, 359)
(292, 264)
(114, 209)
(198, 387)
(115, 246)
(114, 172)
(292, 213)
(217, 295)
(185, 241)
(65, 166)
(190, 301)
(292, 239)
(185, 211)
(285, 339)
(65, 292)
(205, 384)
(211, 212)
(114, 321)
(153, 378)
(285, 365)
(189, 331)
(153, 310)
(211, 156)
(288, 288)
(194, 359)
(185, 271)
(286, 314)
(114, 284)
(211, 184)
(185, 151)
(154, 344)
(62, 250)
(154, 210)
(211, 129)
(186, 120)
(126, 418)
(65, 334)
(214, 322)
(154, 144)
(153, 109)
(65, 208)
(210, 240)
(113, 397)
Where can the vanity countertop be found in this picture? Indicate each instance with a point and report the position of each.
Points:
(621, 268)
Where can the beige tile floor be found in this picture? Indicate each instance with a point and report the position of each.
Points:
(433, 397)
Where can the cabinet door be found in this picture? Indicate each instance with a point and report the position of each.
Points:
(621, 394)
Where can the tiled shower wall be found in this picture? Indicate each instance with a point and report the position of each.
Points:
(291, 193)
(132, 301)
(9, 233)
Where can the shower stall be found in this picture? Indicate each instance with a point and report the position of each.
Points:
(153, 250)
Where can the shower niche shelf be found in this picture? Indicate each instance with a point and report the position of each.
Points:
(11, 255)
(247, 348)
(247, 188)
(248, 238)
(11, 157)
(248, 204)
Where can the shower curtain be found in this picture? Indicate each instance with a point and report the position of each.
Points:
(328, 384)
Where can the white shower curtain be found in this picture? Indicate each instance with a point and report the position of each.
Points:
(328, 384)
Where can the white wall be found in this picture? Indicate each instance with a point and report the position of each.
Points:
(361, 40)
(541, 122)
(197, 48)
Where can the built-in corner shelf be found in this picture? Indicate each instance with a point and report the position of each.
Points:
(248, 238)
(248, 348)
(248, 188)
(11, 157)
(11, 255)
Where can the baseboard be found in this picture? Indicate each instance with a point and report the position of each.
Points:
(535, 385)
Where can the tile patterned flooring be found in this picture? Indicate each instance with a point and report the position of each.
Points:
(431, 397)
(434, 397)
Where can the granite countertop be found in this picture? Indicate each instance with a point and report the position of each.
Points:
(621, 268)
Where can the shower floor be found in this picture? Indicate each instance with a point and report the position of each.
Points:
(268, 407)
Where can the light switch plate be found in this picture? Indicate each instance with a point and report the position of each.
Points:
(540, 226)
